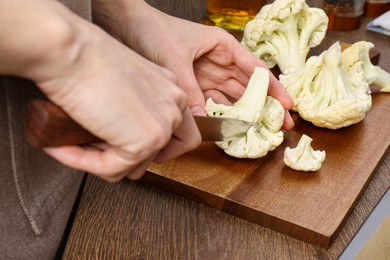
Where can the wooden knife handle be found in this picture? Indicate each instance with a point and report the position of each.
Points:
(48, 125)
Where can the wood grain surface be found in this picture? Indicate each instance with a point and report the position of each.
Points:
(308, 206)
(135, 220)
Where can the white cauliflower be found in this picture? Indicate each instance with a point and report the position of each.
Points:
(300, 82)
(283, 32)
(253, 106)
(325, 94)
(356, 61)
(303, 157)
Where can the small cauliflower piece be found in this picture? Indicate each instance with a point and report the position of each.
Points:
(253, 106)
(303, 157)
(325, 94)
(283, 32)
(356, 61)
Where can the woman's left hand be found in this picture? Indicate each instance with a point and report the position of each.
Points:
(207, 61)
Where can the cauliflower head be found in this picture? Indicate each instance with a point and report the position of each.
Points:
(283, 32)
(253, 106)
(325, 94)
(356, 61)
(304, 157)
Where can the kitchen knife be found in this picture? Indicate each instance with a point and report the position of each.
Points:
(48, 125)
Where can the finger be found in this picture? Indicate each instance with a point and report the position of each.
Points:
(187, 81)
(132, 174)
(217, 97)
(106, 164)
(246, 60)
(100, 146)
(216, 70)
(230, 86)
(277, 90)
(141, 168)
(288, 122)
(185, 138)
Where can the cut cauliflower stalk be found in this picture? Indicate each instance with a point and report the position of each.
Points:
(356, 61)
(253, 106)
(303, 157)
(325, 94)
(283, 32)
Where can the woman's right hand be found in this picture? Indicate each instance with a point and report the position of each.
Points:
(135, 106)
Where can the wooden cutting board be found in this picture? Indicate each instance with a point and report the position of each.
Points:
(308, 206)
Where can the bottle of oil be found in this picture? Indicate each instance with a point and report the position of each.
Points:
(233, 14)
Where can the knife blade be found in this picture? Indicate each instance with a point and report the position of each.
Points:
(213, 129)
(48, 125)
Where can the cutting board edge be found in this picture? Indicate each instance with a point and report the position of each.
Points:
(358, 197)
(240, 210)
(340, 226)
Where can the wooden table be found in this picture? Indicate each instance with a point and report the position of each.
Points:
(134, 220)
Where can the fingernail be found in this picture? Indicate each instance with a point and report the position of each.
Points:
(197, 110)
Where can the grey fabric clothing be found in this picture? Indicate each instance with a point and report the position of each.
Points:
(36, 192)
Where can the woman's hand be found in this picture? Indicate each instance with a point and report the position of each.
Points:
(207, 61)
(132, 104)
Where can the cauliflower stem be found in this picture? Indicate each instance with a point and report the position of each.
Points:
(254, 106)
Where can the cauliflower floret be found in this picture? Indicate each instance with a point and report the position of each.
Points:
(325, 95)
(283, 32)
(253, 106)
(303, 157)
(356, 61)
(272, 114)
(254, 145)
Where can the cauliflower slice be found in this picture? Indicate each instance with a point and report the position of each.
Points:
(325, 94)
(283, 32)
(356, 61)
(254, 106)
(303, 157)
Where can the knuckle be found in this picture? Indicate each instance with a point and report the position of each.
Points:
(181, 99)
(159, 137)
(220, 32)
